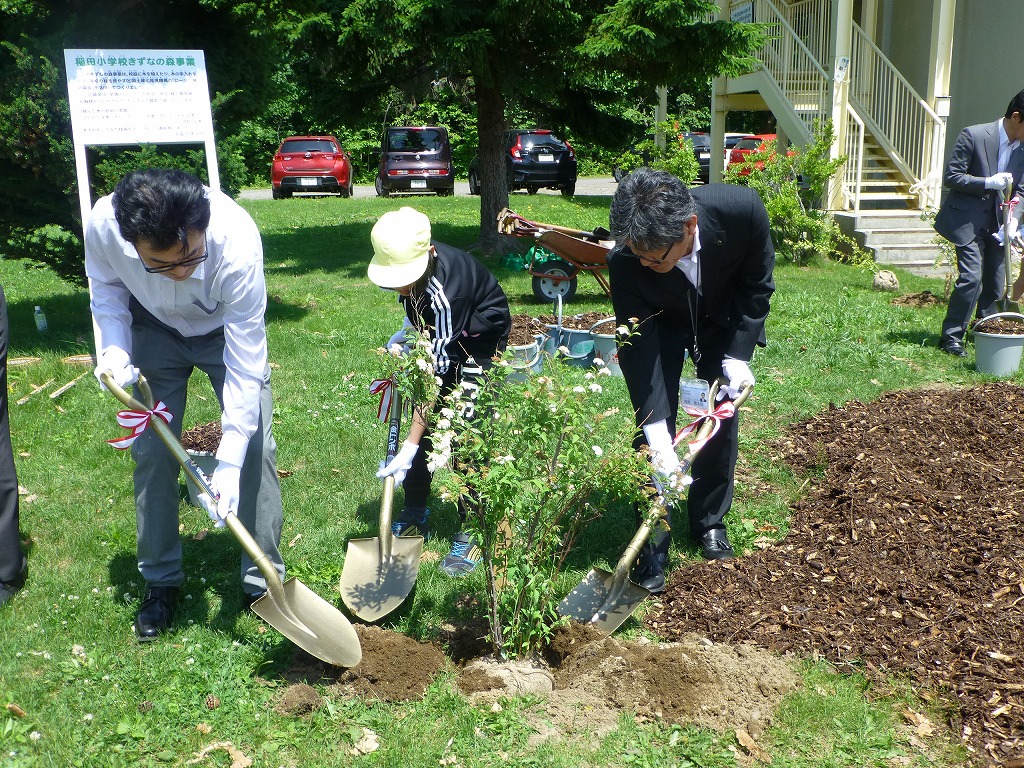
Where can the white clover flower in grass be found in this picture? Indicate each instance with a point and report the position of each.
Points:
(87, 717)
(595, 388)
(578, 390)
(35, 735)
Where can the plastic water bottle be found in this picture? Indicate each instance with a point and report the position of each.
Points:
(40, 319)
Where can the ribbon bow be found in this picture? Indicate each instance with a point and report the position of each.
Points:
(725, 410)
(137, 421)
(383, 387)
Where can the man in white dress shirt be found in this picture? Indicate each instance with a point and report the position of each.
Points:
(176, 283)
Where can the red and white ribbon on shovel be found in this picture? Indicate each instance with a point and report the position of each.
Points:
(383, 387)
(137, 421)
(725, 410)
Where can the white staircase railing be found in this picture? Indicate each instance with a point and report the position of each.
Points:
(853, 173)
(793, 66)
(797, 54)
(910, 131)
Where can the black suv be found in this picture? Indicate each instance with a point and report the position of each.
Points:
(415, 159)
(534, 159)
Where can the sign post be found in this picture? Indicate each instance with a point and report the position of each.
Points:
(122, 97)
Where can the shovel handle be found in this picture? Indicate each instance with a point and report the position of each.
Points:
(388, 494)
(195, 474)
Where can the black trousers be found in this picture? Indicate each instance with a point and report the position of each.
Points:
(419, 477)
(11, 559)
(709, 497)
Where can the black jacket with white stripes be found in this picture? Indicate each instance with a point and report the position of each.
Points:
(464, 309)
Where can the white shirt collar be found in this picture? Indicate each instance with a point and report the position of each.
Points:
(689, 264)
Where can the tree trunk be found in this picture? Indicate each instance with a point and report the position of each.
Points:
(490, 124)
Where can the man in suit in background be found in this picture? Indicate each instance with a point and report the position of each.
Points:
(13, 565)
(985, 159)
(691, 272)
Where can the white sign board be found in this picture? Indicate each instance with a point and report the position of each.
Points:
(744, 12)
(137, 97)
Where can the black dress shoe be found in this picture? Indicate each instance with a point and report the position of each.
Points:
(8, 588)
(156, 612)
(715, 545)
(649, 573)
(953, 347)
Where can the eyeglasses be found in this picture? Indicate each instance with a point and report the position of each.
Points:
(653, 262)
(175, 264)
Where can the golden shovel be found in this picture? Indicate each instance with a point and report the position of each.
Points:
(606, 599)
(380, 572)
(292, 608)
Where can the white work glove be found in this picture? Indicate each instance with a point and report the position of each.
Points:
(210, 505)
(401, 338)
(998, 180)
(737, 373)
(667, 468)
(120, 366)
(1010, 227)
(225, 482)
(399, 466)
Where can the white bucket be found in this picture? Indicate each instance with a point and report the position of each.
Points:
(998, 354)
(207, 462)
(571, 339)
(526, 359)
(605, 346)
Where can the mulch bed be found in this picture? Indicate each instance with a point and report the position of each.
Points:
(905, 557)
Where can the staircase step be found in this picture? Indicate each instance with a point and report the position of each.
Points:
(892, 236)
(906, 253)
(884, 219)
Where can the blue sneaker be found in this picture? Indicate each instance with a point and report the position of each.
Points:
(464, 556)
(409, 523)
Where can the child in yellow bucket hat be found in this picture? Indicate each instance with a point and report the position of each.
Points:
(451, 296)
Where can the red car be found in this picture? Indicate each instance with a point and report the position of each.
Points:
(748, 145)
(311, 164)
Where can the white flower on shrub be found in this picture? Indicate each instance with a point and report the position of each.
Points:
(597, 450)
(503, 459)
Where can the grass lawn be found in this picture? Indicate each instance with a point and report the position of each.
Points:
(81, 691)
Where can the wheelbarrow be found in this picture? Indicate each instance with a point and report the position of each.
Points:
(292, 608)
(577, 249)
(606, 599)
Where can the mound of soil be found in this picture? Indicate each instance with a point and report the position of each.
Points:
(905, 558)
(580, 322)
(923, 299)
(524, 330)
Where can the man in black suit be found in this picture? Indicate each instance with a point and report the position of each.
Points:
(12, 562)
(691, 272)
(984, 160)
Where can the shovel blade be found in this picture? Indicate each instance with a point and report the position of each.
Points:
(311, 623)
(595, 600)
(373, 584)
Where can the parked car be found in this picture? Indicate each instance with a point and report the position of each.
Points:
(702, 151)
(731, 139)
(748, 145)
(415, 159)
(700, 141)
(310, 164)
(534, 159)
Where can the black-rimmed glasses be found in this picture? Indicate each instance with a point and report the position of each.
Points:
(648, 260)
(175, 264)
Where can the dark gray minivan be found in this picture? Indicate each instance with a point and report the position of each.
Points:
(416, 159)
